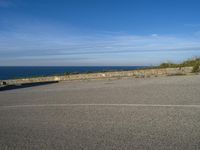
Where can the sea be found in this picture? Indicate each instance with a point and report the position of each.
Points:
(25, 72)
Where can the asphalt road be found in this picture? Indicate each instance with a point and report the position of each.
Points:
(152, 113)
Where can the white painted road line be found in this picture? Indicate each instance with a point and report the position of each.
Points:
(113, 105)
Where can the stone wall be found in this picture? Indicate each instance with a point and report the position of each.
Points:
(133, 73)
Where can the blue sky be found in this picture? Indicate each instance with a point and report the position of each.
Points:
(98, 32)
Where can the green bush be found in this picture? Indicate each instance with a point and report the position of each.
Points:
(196, 68)
(168, 65)
(195, 63)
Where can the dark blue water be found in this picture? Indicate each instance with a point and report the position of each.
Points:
(21, 72)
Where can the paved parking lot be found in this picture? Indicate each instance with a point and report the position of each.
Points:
(152, 113)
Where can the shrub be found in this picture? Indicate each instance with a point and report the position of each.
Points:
(168, 65)
(196, 68)
(195, 63)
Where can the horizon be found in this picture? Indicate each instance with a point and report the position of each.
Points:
(98, 33)
(76, 66)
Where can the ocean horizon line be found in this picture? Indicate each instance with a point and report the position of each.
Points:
(13, 72)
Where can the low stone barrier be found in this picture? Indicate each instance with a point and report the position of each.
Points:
(133, 73)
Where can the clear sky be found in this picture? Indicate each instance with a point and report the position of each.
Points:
(98, 32)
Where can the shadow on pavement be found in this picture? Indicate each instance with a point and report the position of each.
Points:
(25, 85)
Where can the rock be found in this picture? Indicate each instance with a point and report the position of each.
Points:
(3, 83)
(140, 75)
(103, 74)
(57, 78)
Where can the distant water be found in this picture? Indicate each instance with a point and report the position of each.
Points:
(21, 72)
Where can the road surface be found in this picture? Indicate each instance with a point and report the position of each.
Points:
(150, 113)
